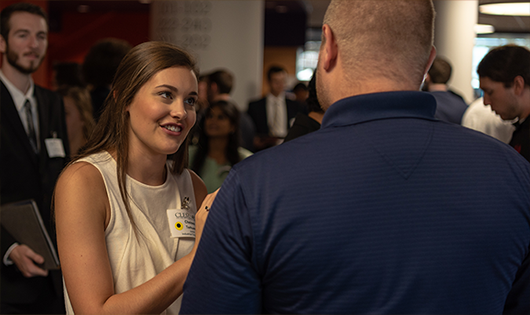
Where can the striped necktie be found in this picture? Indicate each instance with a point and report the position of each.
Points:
(31, 127)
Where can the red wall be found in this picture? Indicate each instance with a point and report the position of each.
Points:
(80, 30)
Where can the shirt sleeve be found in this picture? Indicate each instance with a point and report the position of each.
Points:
(7, 261)
(224, 277)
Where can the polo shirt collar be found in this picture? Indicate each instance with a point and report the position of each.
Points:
(362, 108)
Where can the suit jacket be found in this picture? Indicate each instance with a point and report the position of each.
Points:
(257, 110)
(26, 175)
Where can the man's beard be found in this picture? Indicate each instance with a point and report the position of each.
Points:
(12, 59)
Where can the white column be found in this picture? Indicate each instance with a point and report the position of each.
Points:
(454, 38)
(220, 34)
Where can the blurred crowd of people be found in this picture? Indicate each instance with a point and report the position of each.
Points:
(363, 190)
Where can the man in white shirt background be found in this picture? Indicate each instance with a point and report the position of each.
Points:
(272, 114)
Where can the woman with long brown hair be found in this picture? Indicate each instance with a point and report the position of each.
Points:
(217, 150)
(126, 216)
(78, 115)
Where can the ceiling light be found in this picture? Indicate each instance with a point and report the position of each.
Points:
(484, 29)
(509, 8)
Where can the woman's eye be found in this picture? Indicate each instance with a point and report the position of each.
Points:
(190, 101)
(167, 95)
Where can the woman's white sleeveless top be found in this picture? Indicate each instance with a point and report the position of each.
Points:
(136, 258)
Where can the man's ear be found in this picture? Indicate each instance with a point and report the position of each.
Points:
(518, 85)
(427, 78)
(432, 56)
(329, 49)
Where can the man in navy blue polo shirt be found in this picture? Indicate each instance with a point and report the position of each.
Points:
(384, 209)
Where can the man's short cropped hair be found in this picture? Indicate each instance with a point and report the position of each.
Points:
(383, 38)
(223, 79)
(274, 69)
(7, 12)
(440, 71)
(504, 63)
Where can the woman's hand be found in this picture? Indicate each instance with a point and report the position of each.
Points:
(202, 214)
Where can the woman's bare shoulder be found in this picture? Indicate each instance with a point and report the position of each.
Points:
(81, 185)
(80, 173)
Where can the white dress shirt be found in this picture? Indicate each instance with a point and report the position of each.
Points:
(277, 115)
(19, 98)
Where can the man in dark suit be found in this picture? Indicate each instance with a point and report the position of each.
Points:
(34, 150)
(272, 114)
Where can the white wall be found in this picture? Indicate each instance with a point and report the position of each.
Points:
(220, 34)
(454, 39)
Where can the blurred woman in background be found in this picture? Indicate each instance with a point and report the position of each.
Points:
(78, 114)
(218, 147)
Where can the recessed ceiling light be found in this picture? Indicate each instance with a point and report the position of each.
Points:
(484, 29)
(509, 8)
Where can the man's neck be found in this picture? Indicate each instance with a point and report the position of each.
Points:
(525, 99)
(20, 80)
(437, 87)
(317, 116)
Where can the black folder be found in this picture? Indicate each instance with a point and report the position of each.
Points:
(23, 221)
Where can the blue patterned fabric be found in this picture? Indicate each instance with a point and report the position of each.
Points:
(382, 210)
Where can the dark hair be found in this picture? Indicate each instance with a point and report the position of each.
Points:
(274, 69)
(300, 86)
(68, 74)
(440, 71)
(112, 130)
(231, 152)
(312, 100)
(6, 13)
(102, 61)
(82, 101)
(504, 63)
(203, 78)
(223, 79)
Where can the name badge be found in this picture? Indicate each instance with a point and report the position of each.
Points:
(55, 148)
(181, 222)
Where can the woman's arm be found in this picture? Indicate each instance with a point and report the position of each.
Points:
(198, 187)
(82, 213)
(204, 200)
